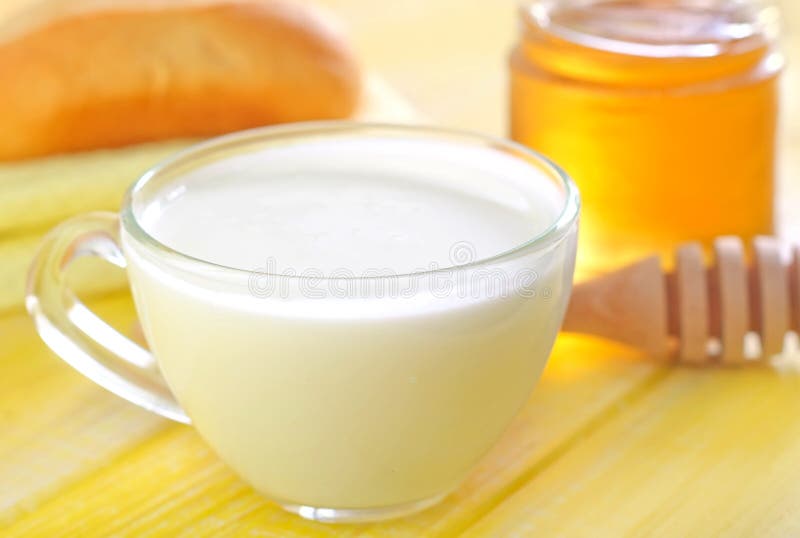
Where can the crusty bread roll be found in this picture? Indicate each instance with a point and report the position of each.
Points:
(126, 73)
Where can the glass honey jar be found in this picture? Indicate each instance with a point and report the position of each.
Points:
(664, 112)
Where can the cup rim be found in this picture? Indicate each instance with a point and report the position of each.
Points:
(559, 226)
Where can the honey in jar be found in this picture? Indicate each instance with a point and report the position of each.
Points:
(664, 112)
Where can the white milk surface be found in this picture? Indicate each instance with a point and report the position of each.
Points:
(371, 209)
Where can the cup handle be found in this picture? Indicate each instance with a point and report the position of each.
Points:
(78, 335)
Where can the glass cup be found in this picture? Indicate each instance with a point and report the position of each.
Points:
(342, 399)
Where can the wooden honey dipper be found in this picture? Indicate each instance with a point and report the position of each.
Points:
(676, 314)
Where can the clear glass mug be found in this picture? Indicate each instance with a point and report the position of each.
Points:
(351, 407)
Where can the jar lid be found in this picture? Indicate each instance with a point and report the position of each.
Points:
(649, 42)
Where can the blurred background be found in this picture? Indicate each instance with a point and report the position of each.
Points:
(446, 56)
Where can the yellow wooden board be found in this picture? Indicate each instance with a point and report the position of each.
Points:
(609, 444)
(700, 453)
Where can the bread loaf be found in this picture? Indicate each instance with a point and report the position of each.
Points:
(115, 74)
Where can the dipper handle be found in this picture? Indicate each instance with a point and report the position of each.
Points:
(697, 313)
